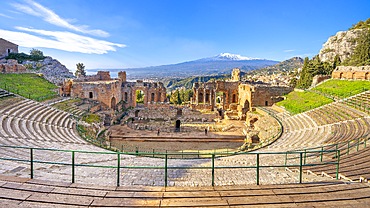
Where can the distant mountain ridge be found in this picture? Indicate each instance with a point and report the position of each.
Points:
(216, 65)
(284, 66)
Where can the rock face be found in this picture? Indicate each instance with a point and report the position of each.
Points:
(343, 44)
(52, 69)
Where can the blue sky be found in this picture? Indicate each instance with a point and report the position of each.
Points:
(136, 33)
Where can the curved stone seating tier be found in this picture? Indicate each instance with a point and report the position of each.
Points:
(18, 192)
(28, 119)
(354, 166)
(349, 130)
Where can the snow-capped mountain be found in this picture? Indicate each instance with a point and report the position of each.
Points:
(228, 57)
(219, 64)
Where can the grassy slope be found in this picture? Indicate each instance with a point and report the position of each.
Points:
(342, 88)
(298, 102)
(28, 85)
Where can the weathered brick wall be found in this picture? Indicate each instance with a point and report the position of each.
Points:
(7, 47)
(352, 72)
(109, 91)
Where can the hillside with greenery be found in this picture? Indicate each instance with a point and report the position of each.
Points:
(286, 66)
(298, 102)
(342, 88)
(35, 55)
(359, 57)
(361, 25)
(31, 86)
(187, 83)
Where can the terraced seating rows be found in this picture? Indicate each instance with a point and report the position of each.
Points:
(354, 166)
(360, 102)
(37, 193)
(4, 93)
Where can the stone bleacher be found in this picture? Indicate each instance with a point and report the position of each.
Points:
(18, 192)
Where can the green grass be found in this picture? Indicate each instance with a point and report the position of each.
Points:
(298, 102)
(28, 85)
(91, 118)
(342, 88)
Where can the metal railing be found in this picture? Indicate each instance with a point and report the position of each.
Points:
(166, 167)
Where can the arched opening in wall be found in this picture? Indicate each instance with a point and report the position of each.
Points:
(177, 125)
(91, 95)
(367, 76)
(266, 103)
(159, 97)
(200, 98)
(139, 96)
(126, 96)
(152, 97)
(234, 98)
(218, 100)
(246, 106)
(137, 113)
(207, 97)
(113, 103)
(353, 75)
(341, 75)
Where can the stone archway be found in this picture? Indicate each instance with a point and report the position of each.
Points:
(341, 75)
(367, 76)
(137, 113)
(113, 103)
(177, 126)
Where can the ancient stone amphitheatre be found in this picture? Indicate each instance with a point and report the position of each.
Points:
(315, 158)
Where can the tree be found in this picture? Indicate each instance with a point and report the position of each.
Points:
(36, 53)
(80, 70)
(175, 97)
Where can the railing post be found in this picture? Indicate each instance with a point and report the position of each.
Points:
(165, 170)
(338, 160)
(258, 168)
(365, 143)
(137, 150)
(213, 169)
(31, 160)
(73, 166)
(336, 149)
(153, 152)
(118, 167)
(300, 167)
(358, 144)
(304, 156)
(286, 158)
(322, 152)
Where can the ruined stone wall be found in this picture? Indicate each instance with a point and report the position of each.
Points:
(108, 93)
(12, 66)
(318, 79)
(267, 95)
(100, 76)
(352, 72)
(7, 47)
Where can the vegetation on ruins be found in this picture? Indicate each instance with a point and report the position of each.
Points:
(312, 68)
(32, 86)
(182, 96)
(298, 102)
(342, 88)
(91, 118)
(35, 55)
(139, 96)
(80, 71)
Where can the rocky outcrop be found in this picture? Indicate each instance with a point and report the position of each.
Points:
(343, 44)
(52, 70)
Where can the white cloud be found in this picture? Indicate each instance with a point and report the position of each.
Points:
(36, 9)
(289, 50)
(4, 15)
(66, 41)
